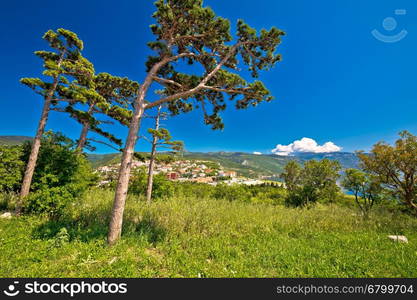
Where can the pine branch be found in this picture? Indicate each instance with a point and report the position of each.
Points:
(104, 143)
(202, 83)
(167, 81)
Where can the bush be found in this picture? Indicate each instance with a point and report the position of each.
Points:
(8, 200)
(11, 168)
(49, 200)
(243, 193)
(162, 187)
(232, 193)
(61, 175)
(193, 189)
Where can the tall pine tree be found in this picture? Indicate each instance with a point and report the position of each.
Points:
(63, 61)
(188, 33)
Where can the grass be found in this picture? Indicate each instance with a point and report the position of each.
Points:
(186, 237)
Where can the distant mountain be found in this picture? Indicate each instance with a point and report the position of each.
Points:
(269, 164)
(98, 160)
(13, 139)
(346, 159)
(246, 164)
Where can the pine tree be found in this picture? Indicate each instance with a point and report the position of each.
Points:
(63, 61)
(160, 138)
(187, 32)
(106, 96)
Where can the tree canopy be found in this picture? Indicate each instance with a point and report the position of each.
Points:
(395, 167)
(314, 182)
(187, 31)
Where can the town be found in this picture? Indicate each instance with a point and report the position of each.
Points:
(184, 170)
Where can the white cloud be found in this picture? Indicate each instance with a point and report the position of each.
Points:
(257, 153)
(305, 145)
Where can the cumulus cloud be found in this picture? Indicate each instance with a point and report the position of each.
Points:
(305, 145)
(257, 153)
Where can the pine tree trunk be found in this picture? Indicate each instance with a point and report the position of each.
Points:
(34, 152)
(116, 221)
(84, 132)
(152, 160)
(83, 137)
(33, 157)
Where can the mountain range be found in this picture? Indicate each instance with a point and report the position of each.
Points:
(246, 164)
(13, 139)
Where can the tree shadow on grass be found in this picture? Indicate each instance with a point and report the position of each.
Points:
(87, 228)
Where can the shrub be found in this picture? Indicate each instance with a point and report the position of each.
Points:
(193, 189)
(233, 192)
(8, 200)
(49, 200)
(61, 175)
(162, 187)
(11, 168)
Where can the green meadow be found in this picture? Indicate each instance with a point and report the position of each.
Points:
(205, 237)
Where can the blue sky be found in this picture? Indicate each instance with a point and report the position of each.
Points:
(336, 82)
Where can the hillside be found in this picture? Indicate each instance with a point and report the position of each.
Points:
(98, 160)
(246, 164)
(252, 165)
(13, 139)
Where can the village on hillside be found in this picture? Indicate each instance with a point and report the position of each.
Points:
(185, 170)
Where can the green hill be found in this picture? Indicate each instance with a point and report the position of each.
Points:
(13, 139)
(253, 165)
(98, 160)
(246, 164)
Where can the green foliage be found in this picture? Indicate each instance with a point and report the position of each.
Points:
(164, 139)
(8, 200)
(395, 167)
(61, 239)
(51, 200)
(232, 193)
(240, 193)
(103, 94)
(189, 31)
(365, 187)
(62, 63)
(203, 237)
(11, 168)
(162, 187)
(193, 190)
(292, 175)
(61, 175)
(160, 157)
(314, 182)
